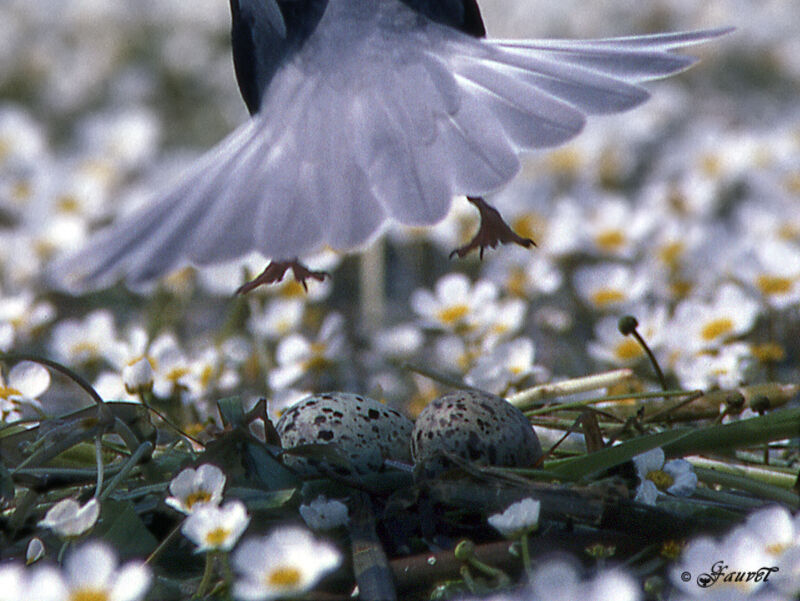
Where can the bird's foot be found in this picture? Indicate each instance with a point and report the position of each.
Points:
(493, 230)
(275, 271)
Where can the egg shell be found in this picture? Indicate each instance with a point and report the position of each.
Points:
(364, 430)
(476, 427)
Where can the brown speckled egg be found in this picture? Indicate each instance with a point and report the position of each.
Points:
(473, 426)
(365, 431)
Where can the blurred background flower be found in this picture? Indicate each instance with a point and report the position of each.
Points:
(682, 212)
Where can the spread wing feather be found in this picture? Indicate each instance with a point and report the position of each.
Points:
(335, 152)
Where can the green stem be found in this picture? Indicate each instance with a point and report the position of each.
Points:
(98, 453)
(163, 544)
(208, 573)
(526, 556)
(604, 399)
(144, 449)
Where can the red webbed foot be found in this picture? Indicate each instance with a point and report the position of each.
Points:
(493, 230)
(275, 271)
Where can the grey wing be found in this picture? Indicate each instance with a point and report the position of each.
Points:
(333, 155)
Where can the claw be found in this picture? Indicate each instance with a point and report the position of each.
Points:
(493, 230)
(275, 271)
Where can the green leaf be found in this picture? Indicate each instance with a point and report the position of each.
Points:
(576, 468)
(755, 431)
(6, 484)
(123, 529)
(257, 499)
(685, 441)
(231, 410)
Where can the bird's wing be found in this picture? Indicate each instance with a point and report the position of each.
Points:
(371, 124)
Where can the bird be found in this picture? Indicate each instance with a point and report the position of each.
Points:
(365, 113)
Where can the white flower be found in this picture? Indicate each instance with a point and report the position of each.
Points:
(35, 551)
(138, 376)
(729, 366)
(706, 325)
(610, 286)
(127, 138)
(456, 305)
(193, 488)
(21, 316)
(173, 369)
(279, 317)
(81, 341)
(717, 564)
(13, 582)
(525, 276)
(613, 347)
(675, 477)
(213, 527)
(778, 535)
(296, 355)
(90, 572)
(502, 319)
(324, 514)
(517, 519)
(26, 382)
(452, 353)
(398, 342)
(615, 228)
(68, 519)
(773, 268)
(22, 139)
(287, 562)
(559, 580)
(508, 363)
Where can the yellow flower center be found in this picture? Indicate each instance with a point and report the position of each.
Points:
(711, 165)
(285, 577)
(68, 203)
(671, 549)
(176, 373)
(200, 496)
(292, 289)
(90, 348)
(528, 225)
(206, 374)
(767, 352)
(7, 392)
(565, 160)
(607, 296)
(628, 350)
(716, 328)
(21, 190)
(88, 594)
(774, 285)
(517, 281)
(610, 240)
(671, 253)
(777, 548)
(136, 360)
(681, 288)
(661, 479)
(453, 314)
(217, 536)
(317, 361)
(793, 183)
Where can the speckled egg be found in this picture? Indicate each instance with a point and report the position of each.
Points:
(365, 431)
(473, 426)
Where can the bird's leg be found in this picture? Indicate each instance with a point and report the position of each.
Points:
(275, 271)
(493, 230)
